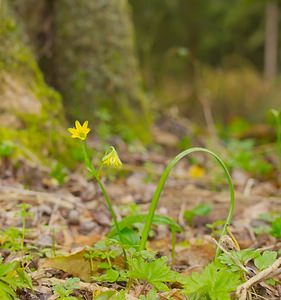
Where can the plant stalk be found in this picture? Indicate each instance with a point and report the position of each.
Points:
(94, 172)
(162, 182)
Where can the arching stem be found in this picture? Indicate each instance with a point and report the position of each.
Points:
(161, 185)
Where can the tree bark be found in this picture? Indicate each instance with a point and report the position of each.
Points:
(95, 63)
(271, 40)
(31, 113)
(86, 50)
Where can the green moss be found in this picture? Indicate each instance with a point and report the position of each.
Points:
(42, 136)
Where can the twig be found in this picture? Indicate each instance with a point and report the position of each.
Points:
(238, 263)
(242, 289)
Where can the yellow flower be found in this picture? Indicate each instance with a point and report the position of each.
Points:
(111, 158)
(196, 172)
(80, 131)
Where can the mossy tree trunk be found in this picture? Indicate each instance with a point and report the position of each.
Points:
(95, 62)
(31, 113)
(87, 51)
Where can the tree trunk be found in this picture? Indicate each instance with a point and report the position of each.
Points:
(86, 50)
(31, 113)
(94, 61)
(271, 40)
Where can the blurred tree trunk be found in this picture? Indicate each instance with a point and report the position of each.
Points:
(30, 111)
(87, 52)
(95, 63)
(271, 40)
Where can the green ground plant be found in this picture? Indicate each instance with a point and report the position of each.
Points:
(277, 122)
(272, 224)
(65, 290)
(202, 210)
(12, 277)
(111, 159)
(241, 154)
(23, 213)
(140, 264)
(11, 239)
(123, 256)
(6, 148)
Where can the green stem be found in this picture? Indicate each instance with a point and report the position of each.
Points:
(173, 232)
(94, 172)
(278, 133)
(161, 185)
(92, 264)
(54, 242)
(23, 232)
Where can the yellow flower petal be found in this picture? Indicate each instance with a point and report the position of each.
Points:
(78, 125)
(85, 124)
(71, 130)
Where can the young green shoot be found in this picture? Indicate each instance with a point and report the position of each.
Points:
(23, 213)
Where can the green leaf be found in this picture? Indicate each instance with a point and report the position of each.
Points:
(6, 148)
(12, 277)
(276, 228)
(202, 209)
(216, 282)
(242, 256)
(110, 275)
(129, 237)
(270, 281)
(265, 260)
(152, 295)
(155, 272)
(141, 218)
(105, 295)
(119, 296)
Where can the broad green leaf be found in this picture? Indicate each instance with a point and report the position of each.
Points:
(242, 256)
(109, 276)
(216, 282)
(265, 260)
(155, 272)
(129, 237)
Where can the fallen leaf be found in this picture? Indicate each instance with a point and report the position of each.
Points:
(74, 264)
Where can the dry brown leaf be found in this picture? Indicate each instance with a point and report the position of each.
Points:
(74, 264)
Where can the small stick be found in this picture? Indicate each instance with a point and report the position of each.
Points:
(241, 291)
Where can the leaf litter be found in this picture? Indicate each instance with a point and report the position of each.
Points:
(66, 218)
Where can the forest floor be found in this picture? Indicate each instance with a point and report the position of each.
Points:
(66, 218)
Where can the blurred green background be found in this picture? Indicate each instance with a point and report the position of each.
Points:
(126, 65)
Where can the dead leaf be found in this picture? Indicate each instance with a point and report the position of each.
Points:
(74, 264)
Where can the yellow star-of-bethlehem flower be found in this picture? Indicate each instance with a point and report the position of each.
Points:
(111, 158)
(80, 131)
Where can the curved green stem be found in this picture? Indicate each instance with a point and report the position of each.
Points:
(163, 180)
(94, 172)
(278, 133)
